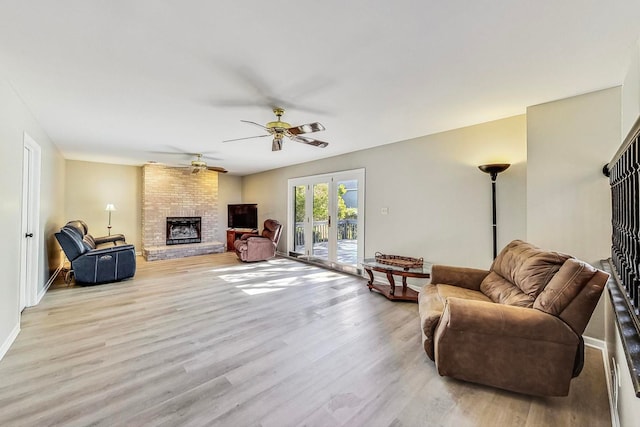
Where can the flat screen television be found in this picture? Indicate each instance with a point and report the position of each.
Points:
(242, 215)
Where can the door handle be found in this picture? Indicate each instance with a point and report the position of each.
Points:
(28, 235)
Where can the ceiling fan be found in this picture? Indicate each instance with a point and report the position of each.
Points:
(198, 165)
(279, 129)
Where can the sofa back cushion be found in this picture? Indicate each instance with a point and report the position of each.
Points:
(76, 227)
(501, 291)
(527, 266)
(564, 286)
(272, 229)
(89, 242)
(72, 245)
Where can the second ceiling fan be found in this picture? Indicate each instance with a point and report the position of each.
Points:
(279, 129)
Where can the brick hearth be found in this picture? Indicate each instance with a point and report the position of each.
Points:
(176, 192)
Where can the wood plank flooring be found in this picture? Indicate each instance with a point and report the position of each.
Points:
(209, 341)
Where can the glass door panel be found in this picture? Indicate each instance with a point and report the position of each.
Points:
(320, 221)
(347, 221)
(326, 213)
(299, 213)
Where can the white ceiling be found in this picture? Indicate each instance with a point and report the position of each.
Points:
(118, 81)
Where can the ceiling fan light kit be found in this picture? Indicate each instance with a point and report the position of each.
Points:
(198, 165)
(279, 130)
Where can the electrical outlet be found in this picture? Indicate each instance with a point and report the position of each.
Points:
(384, 211)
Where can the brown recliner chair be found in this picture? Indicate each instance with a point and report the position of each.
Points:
(517, 326)
(250, 247)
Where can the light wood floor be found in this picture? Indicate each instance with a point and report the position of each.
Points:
(208, 341)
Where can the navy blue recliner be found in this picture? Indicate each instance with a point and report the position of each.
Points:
(96, 260)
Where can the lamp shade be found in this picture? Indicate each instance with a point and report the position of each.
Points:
(494, 169)
(110, 207)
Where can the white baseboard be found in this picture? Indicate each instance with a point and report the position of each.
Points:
(48, 284)
(10, 339)
(601, 345)
(595, 343)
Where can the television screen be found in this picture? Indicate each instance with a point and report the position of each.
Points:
(242, 216)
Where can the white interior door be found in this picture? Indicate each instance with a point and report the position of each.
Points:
(28, 292)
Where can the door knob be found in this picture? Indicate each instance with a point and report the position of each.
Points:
(28, 235)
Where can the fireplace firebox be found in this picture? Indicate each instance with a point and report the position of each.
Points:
(182, 230)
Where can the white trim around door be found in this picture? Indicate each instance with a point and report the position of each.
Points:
(326, 218)
(31, 241)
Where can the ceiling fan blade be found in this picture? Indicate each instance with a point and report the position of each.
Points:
(217, 169)
(276, 145)
(257, 124)
(310, 141)
(240, 139)
(211, 158)
(308, 128)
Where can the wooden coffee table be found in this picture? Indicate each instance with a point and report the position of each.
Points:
(390, 290)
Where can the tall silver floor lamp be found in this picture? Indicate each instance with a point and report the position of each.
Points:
(110, 208)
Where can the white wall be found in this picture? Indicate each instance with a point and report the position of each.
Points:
(16, 119)
(439, 201)
(631, 91)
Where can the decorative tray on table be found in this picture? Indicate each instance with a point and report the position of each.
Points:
(399, 261)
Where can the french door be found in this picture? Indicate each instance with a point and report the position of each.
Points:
(327, 213)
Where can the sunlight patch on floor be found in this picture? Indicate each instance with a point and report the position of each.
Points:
(258, 291)
(324, 276)
(270, 286)
(243, 277)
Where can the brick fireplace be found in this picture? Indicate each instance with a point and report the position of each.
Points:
(178, 195)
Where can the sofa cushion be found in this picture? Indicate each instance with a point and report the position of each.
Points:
(271, 230)
(500, 290)
(76, 228)
(564, 286)
(72, 245)
(88, 239)
(527, 266)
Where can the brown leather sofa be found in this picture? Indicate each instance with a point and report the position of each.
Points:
(517, 326)
(250, 247)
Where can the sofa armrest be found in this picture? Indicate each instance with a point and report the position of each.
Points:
(514, 348)
(259, 241)
(109, 239)
(110, 249)
(504, 321)
(463, 277)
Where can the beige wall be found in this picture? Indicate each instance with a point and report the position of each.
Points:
(16, 119)
(568, 197)
(439, 202)
(90, 186)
